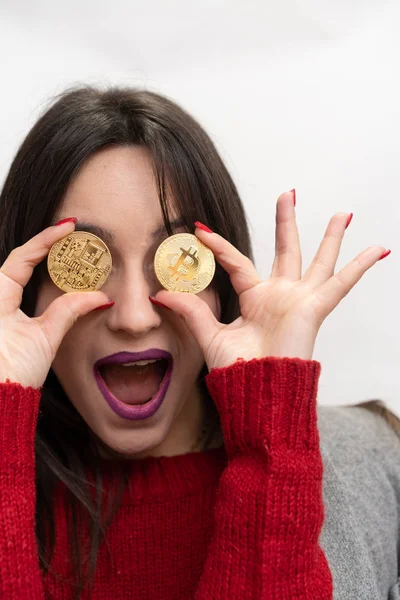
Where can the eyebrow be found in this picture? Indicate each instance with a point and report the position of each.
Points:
(175, 224)
(109, 236)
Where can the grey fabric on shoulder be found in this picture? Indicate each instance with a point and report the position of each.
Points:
(360, 536)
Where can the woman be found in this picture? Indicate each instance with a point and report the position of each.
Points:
(216, 490)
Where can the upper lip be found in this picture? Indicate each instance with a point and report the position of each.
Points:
(125, 357)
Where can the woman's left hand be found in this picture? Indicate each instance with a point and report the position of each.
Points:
(281, 316)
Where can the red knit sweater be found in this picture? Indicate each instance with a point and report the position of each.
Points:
(236, 523)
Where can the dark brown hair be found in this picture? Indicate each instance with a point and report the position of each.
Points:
(78, 124)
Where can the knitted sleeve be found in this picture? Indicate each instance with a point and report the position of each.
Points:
(268, 512)
(20, 576)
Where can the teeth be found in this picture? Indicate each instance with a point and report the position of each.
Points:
(139, 363)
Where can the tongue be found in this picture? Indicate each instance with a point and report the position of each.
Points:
(134, 385)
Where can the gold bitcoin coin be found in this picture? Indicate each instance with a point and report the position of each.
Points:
(79, 262)
(183, 264)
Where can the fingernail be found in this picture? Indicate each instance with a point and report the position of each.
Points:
(294, 196)
(157, 303)
(385, 254)
(203, 227)
(111, 303)
(349, 220)
(69, 220)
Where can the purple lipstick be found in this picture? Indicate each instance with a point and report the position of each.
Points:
(141, 411)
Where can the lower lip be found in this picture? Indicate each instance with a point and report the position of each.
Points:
(139, 412)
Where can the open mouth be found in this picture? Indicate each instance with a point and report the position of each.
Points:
(134, 383)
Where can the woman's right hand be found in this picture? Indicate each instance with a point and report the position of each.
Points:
(28, 345)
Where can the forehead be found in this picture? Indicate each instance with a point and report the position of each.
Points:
(116, 190)
(116, 178)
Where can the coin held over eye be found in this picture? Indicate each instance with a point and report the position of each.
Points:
(184, 264)
(79, 262)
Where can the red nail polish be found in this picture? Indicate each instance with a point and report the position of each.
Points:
(203, 227)
(385, 254)
(157, 303)
(69, 220)
(349, 220)
(108, 305)
(294, 196)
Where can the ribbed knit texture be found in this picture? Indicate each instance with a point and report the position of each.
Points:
(240, 522)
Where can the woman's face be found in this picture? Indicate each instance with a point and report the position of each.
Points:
(117, 192)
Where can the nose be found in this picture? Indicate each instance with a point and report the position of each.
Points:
(132, 313)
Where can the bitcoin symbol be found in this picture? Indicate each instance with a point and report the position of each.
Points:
(183, 264)
(186, 265)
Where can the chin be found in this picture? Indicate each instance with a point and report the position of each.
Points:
(126, 447)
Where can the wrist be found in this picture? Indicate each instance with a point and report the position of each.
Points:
(267, 403)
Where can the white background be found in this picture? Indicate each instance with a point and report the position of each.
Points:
(295, 94)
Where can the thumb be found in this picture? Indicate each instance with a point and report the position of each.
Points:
(196, 314)
(65, 310)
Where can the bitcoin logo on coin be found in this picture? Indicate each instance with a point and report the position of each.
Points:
(184, 264)
(79, 262)
(187, 265)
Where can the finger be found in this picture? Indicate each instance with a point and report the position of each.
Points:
(18, 267)
(339, 285)
(323, 265)
(241, 270)
(64, 311)
(287, 262)
(196, 314)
